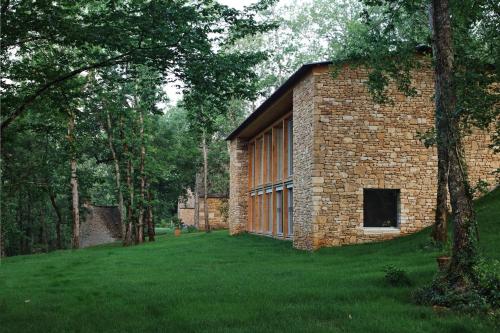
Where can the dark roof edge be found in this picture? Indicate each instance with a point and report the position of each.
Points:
(277, 94)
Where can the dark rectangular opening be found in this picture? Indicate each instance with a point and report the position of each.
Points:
(380, 208)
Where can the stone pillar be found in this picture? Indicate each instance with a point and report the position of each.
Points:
(303, 133)
(238, 186)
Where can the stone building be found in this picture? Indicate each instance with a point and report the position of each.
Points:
(320, 163)
(217, 210)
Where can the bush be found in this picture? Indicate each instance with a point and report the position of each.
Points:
(396, 276)
(481, 295)
(191, 228)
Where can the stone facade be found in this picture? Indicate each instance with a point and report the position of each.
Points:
(238, 186)
(344, 143)
(217, 211)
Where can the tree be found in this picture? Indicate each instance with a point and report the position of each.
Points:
(464, 55)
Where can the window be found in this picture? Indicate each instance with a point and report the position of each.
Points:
(269, 144)
(261, 166)
(269, 198)
(279, 154)
(279, 211)
(290, 211)
(253, 165)
(290, 147)
(380, 208)
(261, 213)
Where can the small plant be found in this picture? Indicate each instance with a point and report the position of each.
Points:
(177, 222)
(396, 276)
(191, 228)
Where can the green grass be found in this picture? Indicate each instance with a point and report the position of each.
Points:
(216, 283)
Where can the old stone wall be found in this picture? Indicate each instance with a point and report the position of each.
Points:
(360, 144)
(303, 134)
(100, 226)
(216, 218)
(238, 186)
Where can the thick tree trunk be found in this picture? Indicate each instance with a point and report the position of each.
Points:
(59, 219)
(116, 162)
(75, 208)
(464, 239)
(197, 201)
(151, 225)
(140, 219)
(440, 228)
(205, 181)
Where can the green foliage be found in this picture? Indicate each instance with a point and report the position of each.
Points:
(191, 228)
(177, 222)
(395, 276)
(484, 297)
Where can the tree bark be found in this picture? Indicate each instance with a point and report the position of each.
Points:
(205, 180)
(59, 219)
(130, 203)
(140, 219)
(151, 225)
(75, 209)
(116, 162)
(465, 232)
(197, 201)
(440, 228)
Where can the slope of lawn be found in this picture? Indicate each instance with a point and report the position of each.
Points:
(216, 283)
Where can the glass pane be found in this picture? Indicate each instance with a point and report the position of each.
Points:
(290, 211)
(279, 211)
(279, 157)
(270, 212)
(269, 142)
(290, 147)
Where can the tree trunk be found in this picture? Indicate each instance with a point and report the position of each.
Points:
(116, 162)
(440, 228)
(59, 219)
(129, 230)
(140, 219)
(151, 225)
(197, 201)
(205, 180)
(464, 238)
(75, 209)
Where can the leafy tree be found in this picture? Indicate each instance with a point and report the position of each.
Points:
(465, 61)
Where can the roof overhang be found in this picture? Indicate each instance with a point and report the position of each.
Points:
(276, 105)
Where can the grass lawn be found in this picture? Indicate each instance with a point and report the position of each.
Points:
(216, 283)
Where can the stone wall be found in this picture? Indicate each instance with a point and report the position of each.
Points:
(360, 144)
(303, 133)
(100, 226)
(238, 186)
(215, 213)
(217, 204)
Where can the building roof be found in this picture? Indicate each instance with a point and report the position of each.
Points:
(286, 86)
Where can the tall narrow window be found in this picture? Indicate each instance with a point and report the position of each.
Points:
(279, 211)
(253, 165)
(261, 166)
(279, 149)
(261, 213)
(290, 212)
(290, 147)
(269, 143)
(269, 198)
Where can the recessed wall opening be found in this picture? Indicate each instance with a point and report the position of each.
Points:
(380, 208)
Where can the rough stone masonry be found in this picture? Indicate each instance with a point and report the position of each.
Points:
(344, 143)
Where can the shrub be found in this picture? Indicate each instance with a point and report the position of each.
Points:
(481, 295)
(396, 276)
(191, 228)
